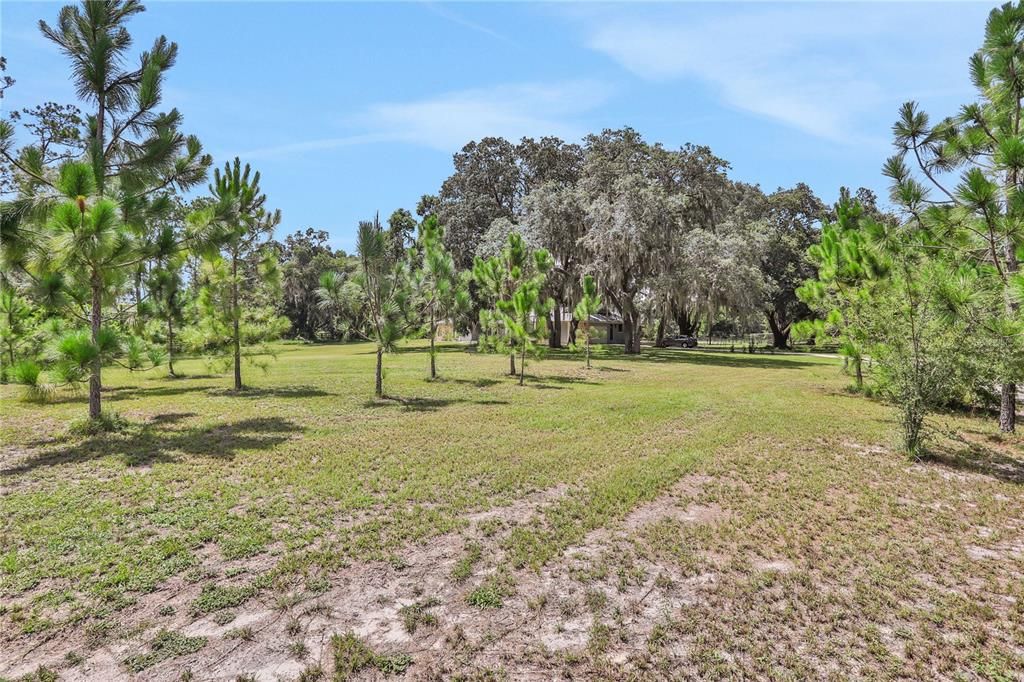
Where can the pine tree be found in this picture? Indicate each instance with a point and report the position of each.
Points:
(387, 293)
(233, 236)
(980, 218)
(101, 205)
(849, 271)
(89, 243)
(166, 287)
(589, 304)
(442, 293)
(514, 282)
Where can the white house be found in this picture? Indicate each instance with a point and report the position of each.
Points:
(604, 328)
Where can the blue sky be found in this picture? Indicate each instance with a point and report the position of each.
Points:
(351, 108)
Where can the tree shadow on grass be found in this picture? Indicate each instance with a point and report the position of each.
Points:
(271, 392)
(696, 357)
(556, 379)
(122, 393)
(478, 383)
(119, 393)
(131, 392)
(425, 350)
(976, 457)
(159, 441)
(426, 404)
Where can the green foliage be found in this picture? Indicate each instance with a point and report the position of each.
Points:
(216, 598)
(418, 613)
(851, 271)
(513, 282)
(440, 290)
(341, 298)
(304, 258)
(485, 597)
(107, 422)
(239, 283)
(589, 304)
(388, 296)
(77, 347)
(27, 372)
(974, 227)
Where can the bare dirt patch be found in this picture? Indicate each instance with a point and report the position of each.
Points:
(539, 619)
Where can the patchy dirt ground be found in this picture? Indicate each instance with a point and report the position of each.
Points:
(676, 588)
(751, 525)
(543, 618)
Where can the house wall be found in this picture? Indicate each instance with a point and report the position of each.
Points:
(617, 333)
(607, 333)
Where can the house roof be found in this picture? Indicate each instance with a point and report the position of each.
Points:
(598, 318)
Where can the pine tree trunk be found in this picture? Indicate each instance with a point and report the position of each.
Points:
(858, 367)
(10, 358)
(378, 389)
(433, 333)
(236, 314)
(588, 351)
(522, 366)
(96, 319)
(101, 117)
(1008, 398)
(512, 364)
(170, 347)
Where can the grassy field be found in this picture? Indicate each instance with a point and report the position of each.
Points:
(682, 514)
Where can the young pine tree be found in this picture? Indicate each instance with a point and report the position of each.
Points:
(96, 252)
(979, 218)
(232, 236)
(589, 304)
(850, 272)
(387, 294)
(442, 293)
(167, 290)
(514, 282)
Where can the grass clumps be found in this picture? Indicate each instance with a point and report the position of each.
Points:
(352, 655)
(485, 597)
(464, 567)
(491, 594)
(415, 615)
(165, 645)
(216, 598)
(108, 422)
(40, 674)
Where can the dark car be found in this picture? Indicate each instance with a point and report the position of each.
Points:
(681, 341)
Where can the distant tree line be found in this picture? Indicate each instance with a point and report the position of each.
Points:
(673, 244)
(109, 256)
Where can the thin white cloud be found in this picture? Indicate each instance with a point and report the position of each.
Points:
(448, 121)
(810, 67)
(457, 18)
(320, 144)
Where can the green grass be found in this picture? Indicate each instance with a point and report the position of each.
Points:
(165, 645)
(272, 489)
(352, 655)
